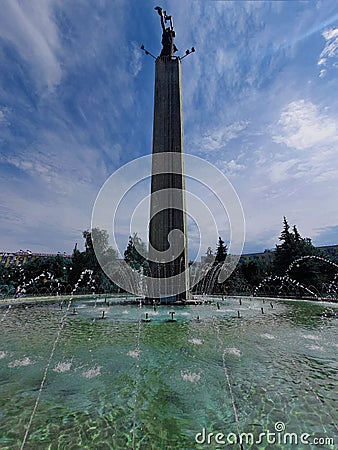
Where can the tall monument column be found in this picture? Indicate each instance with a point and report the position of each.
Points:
(167, 229)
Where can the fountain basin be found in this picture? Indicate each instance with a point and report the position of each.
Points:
(120, 383)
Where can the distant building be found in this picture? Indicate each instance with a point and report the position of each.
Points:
(21, 257)
(266, 258)
(332, 250)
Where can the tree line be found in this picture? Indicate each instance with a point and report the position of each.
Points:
(298, 269)
(295, 258)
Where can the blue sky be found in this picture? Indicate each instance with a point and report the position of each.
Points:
(76, 97)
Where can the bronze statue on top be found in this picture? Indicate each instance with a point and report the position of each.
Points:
(168, 35)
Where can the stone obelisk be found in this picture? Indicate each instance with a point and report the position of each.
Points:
(167, 228)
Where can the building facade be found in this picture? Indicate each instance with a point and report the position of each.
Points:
(21, 257)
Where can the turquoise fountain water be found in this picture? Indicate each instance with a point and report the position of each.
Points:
(116, 381)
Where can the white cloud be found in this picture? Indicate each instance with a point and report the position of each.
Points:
(136, 59)
(54, 194)
(30, 28)
(279, 170)
(322, 73)
(302, 126)
(331, 34)
(61, 161)
(4, 113)
(245, 66)
(231, 168)
(330, 50)
(217, 138)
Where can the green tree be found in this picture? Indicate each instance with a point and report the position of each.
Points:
(78, 265)
(96, 241)
(221, 252)
(253, 272)
(135, 253)
(42, 275)
(237, 283)
(9, 277)
(213, 273)
(292, 247)
(301, 261)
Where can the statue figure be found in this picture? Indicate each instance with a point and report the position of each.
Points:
(168, 35)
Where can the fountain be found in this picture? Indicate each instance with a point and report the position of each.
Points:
(289, 287)
(73, 381)
(74, 376)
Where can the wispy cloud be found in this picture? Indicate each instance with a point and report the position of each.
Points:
(76, 103)
(30, 28)
(280, 170)
(231, 168)
(217, 138)
(330, 51)
(136, 59)
(4, 116)
(302, 126)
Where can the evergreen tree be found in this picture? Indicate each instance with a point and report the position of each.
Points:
(285, 234)
(293, 247)
(221, 252)
(296, 233)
